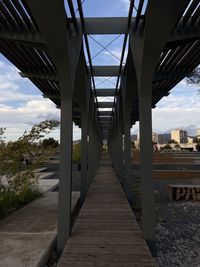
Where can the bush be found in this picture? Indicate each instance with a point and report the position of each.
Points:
(18, 183)
(50, 142)
(17, 191)
(76, 154)
(166, 147)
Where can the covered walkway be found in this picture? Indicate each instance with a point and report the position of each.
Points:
(48, 42)
(106, 232)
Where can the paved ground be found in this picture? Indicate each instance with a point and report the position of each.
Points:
(53, 166)
(26, 234)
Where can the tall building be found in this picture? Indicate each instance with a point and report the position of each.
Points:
(179, 135)
(198, 132)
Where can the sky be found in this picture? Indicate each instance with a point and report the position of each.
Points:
(22, 104)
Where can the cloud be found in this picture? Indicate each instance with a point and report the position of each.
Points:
(117, 51)
(19, 119)
(165, 119)
(125, 4)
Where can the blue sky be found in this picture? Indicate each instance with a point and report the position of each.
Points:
(22, 104)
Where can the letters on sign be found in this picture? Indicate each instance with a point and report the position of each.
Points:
(186, 193)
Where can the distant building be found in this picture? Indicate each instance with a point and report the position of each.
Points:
(190, 140)
(164, 138)
(179, 136)
(155, 137)
(198, 133)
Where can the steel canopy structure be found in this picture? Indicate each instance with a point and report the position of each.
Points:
(49, 45)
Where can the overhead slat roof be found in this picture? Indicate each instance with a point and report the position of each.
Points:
(22, 44)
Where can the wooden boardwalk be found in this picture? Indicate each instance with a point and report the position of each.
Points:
(106, 232)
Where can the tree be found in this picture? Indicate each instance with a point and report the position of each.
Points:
(2, 131)
(177, 146)
(172, 141)
(194, 77)
(166, 147)
(198, 146)
(12, 155)
(50, 142)
(196, 139)
(18, 182)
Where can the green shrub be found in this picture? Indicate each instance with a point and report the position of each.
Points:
(20, 185)
(18, 191)
(76, 154)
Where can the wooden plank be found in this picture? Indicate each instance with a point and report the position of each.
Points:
(106, 232)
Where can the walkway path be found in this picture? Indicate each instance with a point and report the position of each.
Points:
(106, 232)
(26, 236)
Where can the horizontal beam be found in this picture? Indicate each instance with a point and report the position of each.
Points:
(105, 104)
(160, 76)
(112, 25)
(39, 76)
(105, 119)
(187, 33)
(102, 25)
(100, 71)
(51, 96)
(105, 92)
(105, 113)
(27, 38)
(106, 123)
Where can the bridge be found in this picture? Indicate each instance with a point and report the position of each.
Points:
(48, 42)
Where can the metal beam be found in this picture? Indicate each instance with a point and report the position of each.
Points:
(51, 96)
(39, 76)
(187, 33)
(105, 71)
(112, 25)
(104, 119)
(105, 113)
(158, 76)
(30, 38)
(105, 104)
(105, 92)
(105, 124)
(116, 25)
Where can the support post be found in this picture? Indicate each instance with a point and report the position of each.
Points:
(146, 167)
(127, 155)
(64, 224)
(84, 155)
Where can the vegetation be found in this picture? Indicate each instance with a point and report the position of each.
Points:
(76, 154)
(198, 145)
(2, 130)
(172, 141)
(194, 78)
(17, 192)
(50, 142)
(166, 147)
(18, 159)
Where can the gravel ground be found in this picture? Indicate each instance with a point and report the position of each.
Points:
(178, 225)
